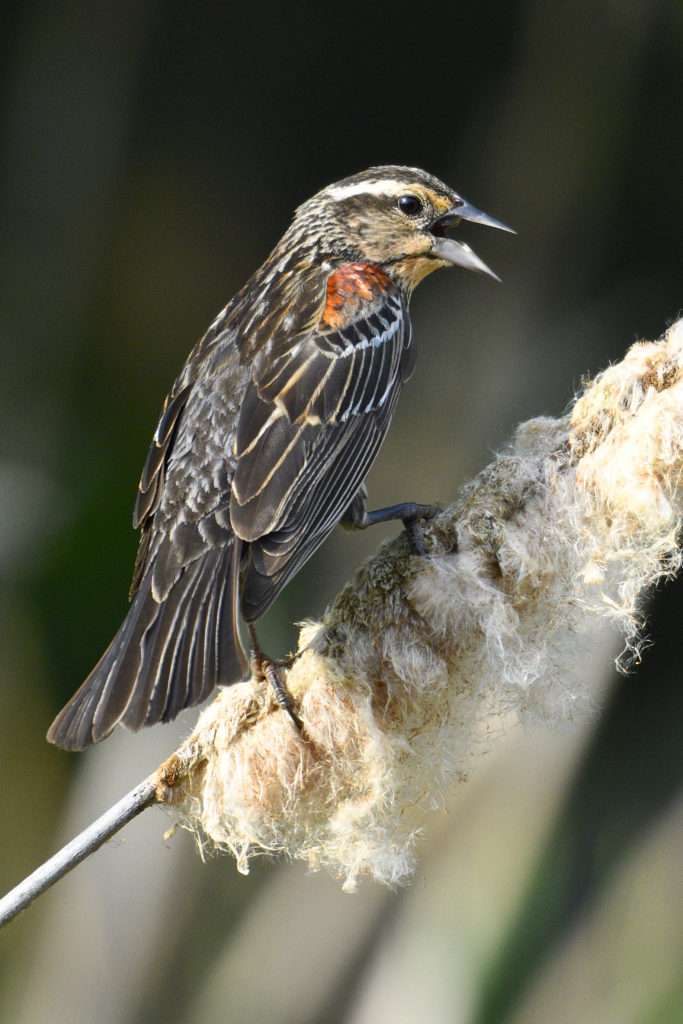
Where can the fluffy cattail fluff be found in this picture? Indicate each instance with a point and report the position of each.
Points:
(419, 660)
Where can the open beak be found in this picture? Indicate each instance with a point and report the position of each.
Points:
(447, 249)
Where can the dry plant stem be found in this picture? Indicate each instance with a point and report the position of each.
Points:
(77, 850)
(421, 662)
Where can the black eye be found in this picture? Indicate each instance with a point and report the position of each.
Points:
(410, 205)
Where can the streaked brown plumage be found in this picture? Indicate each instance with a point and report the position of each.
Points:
(265, 439)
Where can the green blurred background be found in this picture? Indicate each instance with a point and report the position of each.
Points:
(152, 155)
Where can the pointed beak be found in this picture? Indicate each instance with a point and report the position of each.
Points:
(457, 253)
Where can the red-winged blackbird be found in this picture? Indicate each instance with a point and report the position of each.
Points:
(265, 439)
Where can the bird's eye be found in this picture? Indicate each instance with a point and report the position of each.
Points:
(410, 205)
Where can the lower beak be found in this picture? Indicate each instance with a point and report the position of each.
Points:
(458, 253)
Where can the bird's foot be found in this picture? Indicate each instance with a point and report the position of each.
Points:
(410, 513)
(413, 527)
(263, 667)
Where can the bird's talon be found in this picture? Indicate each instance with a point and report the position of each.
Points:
(281, 694)
(413, 527)
(262, 667)
(415, 536)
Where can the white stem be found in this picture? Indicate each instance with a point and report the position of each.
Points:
(89, 840)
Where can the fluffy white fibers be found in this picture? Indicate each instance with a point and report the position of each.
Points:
(421, 661)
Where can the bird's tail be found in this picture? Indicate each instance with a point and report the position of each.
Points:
(167, 655)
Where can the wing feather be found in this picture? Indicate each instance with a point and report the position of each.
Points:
(298, 470)
(152, 478)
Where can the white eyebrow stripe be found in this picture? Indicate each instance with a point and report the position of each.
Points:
(383, 186)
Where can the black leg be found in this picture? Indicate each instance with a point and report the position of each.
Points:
(409, 512)
(262, 666)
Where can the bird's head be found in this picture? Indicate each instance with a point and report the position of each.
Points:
(394, 217)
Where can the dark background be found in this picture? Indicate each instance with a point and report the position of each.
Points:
(152, 155)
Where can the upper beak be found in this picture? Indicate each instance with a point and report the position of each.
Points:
(457, 252)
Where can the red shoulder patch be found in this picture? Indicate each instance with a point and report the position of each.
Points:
(348, 289)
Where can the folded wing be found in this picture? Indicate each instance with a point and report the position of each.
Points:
(309, 429)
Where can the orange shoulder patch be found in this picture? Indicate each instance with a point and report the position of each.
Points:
(348, 289)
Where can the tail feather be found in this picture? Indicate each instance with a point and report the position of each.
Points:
(162, 643)
(165, 657)
(108, 686)
(178, 662)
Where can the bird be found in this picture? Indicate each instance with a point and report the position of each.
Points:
(264, 442)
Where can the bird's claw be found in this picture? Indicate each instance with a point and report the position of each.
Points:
(262, 667)
(413, 527)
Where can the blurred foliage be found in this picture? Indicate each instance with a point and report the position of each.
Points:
(152, 154)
